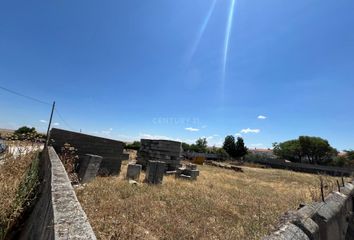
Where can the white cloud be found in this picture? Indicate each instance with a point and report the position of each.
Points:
(262, 117)
(43, 121)
(192, 129)
(56, 124)
(107, 132)
(150, 136)
(238, 135)
(209, 137)
(249, 130)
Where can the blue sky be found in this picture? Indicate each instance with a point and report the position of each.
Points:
(182, 69)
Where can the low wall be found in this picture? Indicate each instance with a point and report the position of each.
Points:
(307, 168)
(110, 150)
(328, 220)
(57, 213)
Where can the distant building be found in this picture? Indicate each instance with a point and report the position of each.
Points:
(342, 154)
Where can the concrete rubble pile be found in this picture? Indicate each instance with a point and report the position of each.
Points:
(224, 165)
(169, 152)
(189, 172)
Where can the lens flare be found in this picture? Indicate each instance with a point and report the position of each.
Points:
(202, 30)
(227, 41)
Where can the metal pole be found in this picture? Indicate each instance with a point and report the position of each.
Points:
(49, 125)
(322, 194)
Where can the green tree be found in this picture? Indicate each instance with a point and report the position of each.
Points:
(135, 145)
(229, 145)
(186, 147)
(201, 145)
(26, 133)
(289, 150)
(313, 149)
(316, 149)
(240, 148)
(25, 130)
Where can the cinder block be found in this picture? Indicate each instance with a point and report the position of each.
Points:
(89, 167)
(133, 171)
(182, 172)
(192, 166)
(192, 173)
(154, 172)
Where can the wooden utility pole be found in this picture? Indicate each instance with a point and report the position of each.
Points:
(49, 125)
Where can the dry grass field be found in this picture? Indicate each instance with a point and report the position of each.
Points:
(221, 204)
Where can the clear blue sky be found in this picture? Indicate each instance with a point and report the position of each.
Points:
(182, 69)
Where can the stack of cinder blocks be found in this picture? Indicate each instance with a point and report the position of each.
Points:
(154, 172)
(166, 151)
(189, 172)
(89, 168)
(133, 171)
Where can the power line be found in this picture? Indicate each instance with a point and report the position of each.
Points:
(62, 119)
(25, 96)
(39, 101)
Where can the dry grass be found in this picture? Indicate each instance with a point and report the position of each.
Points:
(14, 186)
(221, 204)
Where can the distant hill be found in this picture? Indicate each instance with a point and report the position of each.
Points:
(4, 131)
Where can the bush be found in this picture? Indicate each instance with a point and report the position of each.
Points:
(134, 146)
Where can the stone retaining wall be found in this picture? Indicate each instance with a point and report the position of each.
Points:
(328, 220)
(57, 213)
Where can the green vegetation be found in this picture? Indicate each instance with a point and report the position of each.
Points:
(314, 150)
(19, 180)
(135, 145)
(344, 160)
(236, 149)
(26, 134)
(200, 146)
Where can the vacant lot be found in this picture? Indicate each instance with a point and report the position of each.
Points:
(221, 204)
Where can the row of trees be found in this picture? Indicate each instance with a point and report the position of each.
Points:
(236, 149)
(233, 148)
(314, 150)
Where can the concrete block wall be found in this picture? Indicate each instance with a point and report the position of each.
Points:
(110, 150)
(329, 220)
(167, 151)
(57, 213)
